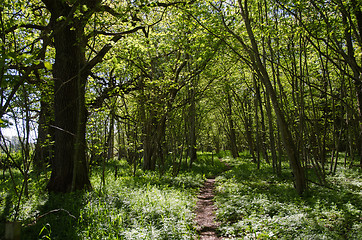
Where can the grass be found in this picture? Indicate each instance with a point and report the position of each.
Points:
(252, 204)
(147, 206)
(255, 204)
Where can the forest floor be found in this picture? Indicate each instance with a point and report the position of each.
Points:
(254, 203)
(210, 201)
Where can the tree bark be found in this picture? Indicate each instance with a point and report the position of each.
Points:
(69, 168)
(110, 137)
(43, 153)
(192, 126)
(232, 131)
(271, 134)
(147, 133)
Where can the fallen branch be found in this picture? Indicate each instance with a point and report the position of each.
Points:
(52, 211)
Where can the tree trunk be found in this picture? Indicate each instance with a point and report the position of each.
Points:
(110, 137)
(358, 86)
(271, 134)
(192, 126)
(69, 169)
(298, 171)
(246, 116)
(43, 152)
(257, 129)
(148, 145)
(232, 132)
(153, 137)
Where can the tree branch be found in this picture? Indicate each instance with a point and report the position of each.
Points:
(28, 26)
(99, 57)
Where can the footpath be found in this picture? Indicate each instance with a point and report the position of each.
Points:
(205, 211)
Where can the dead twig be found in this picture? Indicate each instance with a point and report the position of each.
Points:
(52, 211)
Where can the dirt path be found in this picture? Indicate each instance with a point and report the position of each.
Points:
(205, 212)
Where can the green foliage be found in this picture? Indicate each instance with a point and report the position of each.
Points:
(256, 205)
(147, 206)
(141, 211)
(209, 164)
(252, 204)
(310, 50)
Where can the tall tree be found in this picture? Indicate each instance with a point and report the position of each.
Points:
(253, 52)
(71, 69)
(71, 32)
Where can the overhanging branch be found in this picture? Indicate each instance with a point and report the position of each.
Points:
(116, 36)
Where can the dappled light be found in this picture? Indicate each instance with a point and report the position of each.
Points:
(180, 119)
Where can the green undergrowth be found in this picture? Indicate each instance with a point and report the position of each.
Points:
(255, 204)
(148, 205)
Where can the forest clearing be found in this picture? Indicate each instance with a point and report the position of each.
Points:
(180, 119)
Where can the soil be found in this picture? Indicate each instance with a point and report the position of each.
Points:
(205, 212)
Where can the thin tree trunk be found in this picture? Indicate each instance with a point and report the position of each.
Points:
(298, 171)
(110, 139)
(271, 134)
(192, 125)
(43, 152)
(257, 130)
(232, 131)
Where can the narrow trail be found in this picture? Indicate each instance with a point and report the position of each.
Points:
(205, 211)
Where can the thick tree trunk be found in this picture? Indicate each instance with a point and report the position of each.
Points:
(262, 123)
(248, 125)
(294, 161)
(257, 129)
(153, 143)
(249, 138)
(350, 58)
(69, 169)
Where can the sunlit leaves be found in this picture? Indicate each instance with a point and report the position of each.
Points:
(48, 65)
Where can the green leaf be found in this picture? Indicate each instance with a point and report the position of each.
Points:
(48, 65)
(4, 123)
